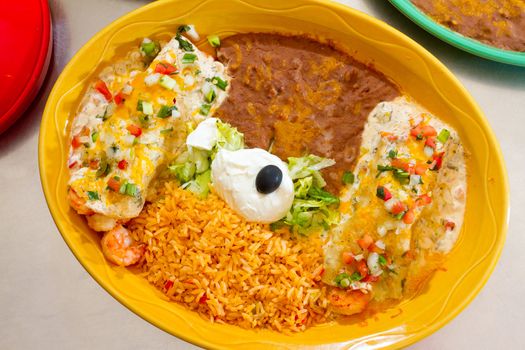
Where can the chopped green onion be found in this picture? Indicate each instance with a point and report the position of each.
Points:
(184, 44)
(382, 260)
(147, 108)
(392, 154)
(122, 189)
(443, 135)
(150, 49)
(103, 168)
(221, 84)
(189, 58)
(135, 141)
(93, 195)
(183, 28)
(131, 190)
(139, 105)
(94, 136)
(380, 192)
(348, 177)
(205, 109)
(166, 131)
(356, 276)
(382, 168)
(214, 40)
(167, 82)
(345, 283)
(401, 175)
(210, 96)
(340, 277)
(144, 119)
(165, 111)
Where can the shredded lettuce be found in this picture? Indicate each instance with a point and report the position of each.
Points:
(313, 208)
(192, 167)
(229, 137)
(305, 166)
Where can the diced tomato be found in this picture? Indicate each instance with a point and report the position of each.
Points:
(370, 279)
(93, 163)
(75, 142)
(449, 225)
(101, 87)
(373, 248)
(421, 131)
(114, 184)
(401, 164)
(160, 68)
(416, 131)
(203, 299)
(431, 142)
(428, 131)
(123, 164)
(119, 98)
(165, 68)
(72, 165)
(409, 216)
(438, 160)
(168, 284)
(362, 268)
(365, 242)
(134, 130)
(386, 195)
(388, 135)
(174, 100)
(348, 258)
(422, 200)
(398, 208)
(170, 69)
(420, 169)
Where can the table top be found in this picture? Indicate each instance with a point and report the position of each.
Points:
(49, 301)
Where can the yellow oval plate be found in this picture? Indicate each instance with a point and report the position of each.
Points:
(412, 67)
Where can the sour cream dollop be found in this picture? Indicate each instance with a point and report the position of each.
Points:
(233, 176)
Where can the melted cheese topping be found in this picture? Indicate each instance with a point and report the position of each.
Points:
(427, 186)
(128, 142)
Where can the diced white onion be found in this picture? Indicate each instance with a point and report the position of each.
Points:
(380, 244)
(152, 79)
(415, 180)
(175, 113)
(389, 204)
(373, 264)
(429, 151)
(192, 33)
(189, 80)
(127, 89)
(358, 257)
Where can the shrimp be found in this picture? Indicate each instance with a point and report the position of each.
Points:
(119, 248)
(78, 203)
(348, 302)
(101, 223)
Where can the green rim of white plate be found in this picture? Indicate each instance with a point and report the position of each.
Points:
(454, 38)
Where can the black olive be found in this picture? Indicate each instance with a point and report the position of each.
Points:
(268, 179)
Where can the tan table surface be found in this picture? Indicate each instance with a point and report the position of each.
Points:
(48, 301)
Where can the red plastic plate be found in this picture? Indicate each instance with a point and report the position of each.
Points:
(26, 41)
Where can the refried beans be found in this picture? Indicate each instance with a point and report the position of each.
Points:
(499, 23)
(297, 96)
